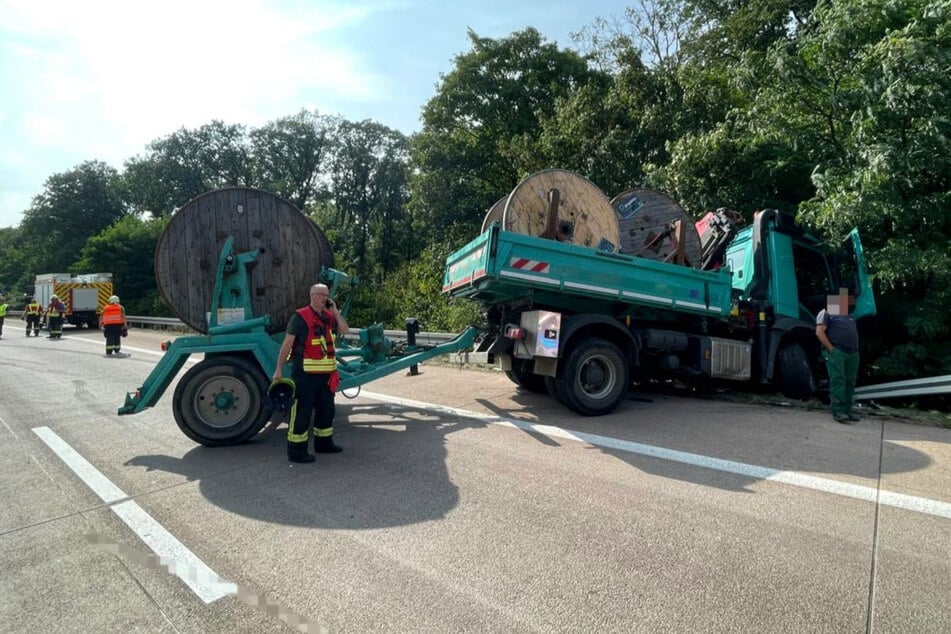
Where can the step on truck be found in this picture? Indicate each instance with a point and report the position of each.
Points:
(583, 323)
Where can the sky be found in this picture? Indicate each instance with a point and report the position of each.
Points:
(101, 79)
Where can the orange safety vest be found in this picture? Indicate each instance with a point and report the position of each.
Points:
(319, 346)
(112, 315)
(33, 308)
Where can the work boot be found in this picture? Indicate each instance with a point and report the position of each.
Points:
(326, 445)
(297, 452)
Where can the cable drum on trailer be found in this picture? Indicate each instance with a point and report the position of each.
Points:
(646, 220)
(291, 252)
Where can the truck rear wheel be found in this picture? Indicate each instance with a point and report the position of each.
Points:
(220, 401)
(523, 377)
(795, 373)
(593, 378)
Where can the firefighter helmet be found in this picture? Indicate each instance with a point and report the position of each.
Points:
(280, 394)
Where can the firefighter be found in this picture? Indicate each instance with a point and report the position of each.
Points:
(112, 322)
(32, 314)
(55, 315)
(311, 334)
(3, 312)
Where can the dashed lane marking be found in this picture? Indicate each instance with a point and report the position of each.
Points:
(202, 580)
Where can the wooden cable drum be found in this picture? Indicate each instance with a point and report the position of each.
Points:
(646, 220)
(584, 214)
(292, 250)
(494, 213)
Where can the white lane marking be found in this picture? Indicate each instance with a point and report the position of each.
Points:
(794, 478)
(100, 484)
(8, 428)
(203, 581)
(157, 353)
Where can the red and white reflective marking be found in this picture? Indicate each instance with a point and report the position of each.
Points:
(534, 266)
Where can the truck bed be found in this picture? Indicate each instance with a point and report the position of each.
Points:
(500, 267)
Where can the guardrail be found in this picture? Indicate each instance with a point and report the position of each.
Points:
(177, 324)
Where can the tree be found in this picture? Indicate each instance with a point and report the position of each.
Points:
(127, 250)
(476, 127)
(368, 189)
(289, 155)
(188, 163)
(73, 206)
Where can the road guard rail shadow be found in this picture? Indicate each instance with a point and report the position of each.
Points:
(392, 472)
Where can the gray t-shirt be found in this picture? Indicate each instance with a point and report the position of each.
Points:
(841, 330)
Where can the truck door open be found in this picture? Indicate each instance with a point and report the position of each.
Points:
(853, 274)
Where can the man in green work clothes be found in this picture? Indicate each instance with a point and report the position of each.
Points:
(839, 336)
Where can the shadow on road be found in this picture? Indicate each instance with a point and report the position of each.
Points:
(392, 472)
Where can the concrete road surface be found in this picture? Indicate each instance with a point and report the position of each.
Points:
(459, 504)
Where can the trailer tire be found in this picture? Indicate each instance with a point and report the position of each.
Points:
(220, 401)
(521, 376)
(594, 377)
(796, 378)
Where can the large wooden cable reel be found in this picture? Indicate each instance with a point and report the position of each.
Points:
(292, 251)
(494, 213)
(653, 226)
(583, 215)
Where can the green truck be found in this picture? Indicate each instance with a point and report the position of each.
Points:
(582, 324)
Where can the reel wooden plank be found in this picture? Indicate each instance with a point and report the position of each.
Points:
(292, 251)
(646, 221)
(584, 215)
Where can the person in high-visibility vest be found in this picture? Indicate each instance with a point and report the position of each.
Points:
(55, 316)
(32, 316)
(312, 334)
(112, 322)
(3, 312)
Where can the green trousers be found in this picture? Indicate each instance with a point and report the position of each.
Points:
(843, 370)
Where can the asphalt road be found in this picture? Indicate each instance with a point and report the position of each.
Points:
(459, 504)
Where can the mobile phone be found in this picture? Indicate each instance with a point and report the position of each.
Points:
(330, 303)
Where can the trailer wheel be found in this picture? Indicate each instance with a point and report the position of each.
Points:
(220, 401)
(593, 379)
(795, 374)
(523, 377)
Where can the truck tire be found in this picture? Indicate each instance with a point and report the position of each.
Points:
(796, 379)
(593, 378)
(554, 388)
(521, 376)
(220, 401)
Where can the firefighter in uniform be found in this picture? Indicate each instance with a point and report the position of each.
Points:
(55, 316)
(32, 316)
(311, 335)
(112, 322)
(3, 312)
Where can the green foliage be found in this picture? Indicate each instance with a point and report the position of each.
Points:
(476, 128)
(73, 206)
(290, 154)
(127, 250)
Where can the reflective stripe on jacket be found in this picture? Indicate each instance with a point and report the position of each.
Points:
(319, 347)
(33, 308)
(112, 315)
(56, 310)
